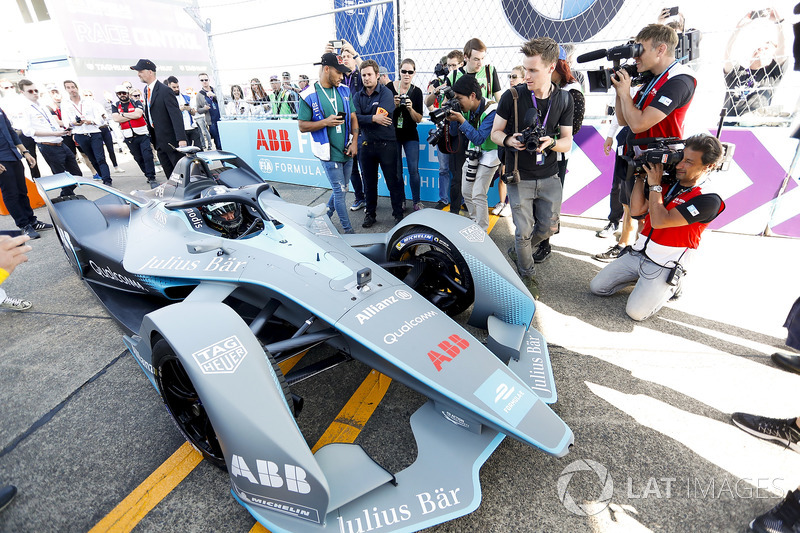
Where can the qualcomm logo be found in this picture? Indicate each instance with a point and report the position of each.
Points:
(591, 507)
(265, 165)
(376, 13)
(566, 21)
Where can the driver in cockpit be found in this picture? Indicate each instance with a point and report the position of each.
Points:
(226, 217)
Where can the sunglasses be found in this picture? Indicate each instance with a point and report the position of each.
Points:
(32, 91)
(203, 79)
(406, 72)
(136, 95)
(122, 92)
(512, 76)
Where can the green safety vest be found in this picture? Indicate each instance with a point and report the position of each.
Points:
(488, 145)
(483, 76)
(280, 105)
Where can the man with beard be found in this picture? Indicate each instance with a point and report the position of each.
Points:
(187, 112)
(130, 116)
(325, 112)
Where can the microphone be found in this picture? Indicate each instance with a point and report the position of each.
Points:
(592, 56)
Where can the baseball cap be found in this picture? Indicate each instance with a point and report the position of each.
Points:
(286, 75)
(334, 60)
(120, 89)
(383, 71)
(273, 78)
(562, 54)
(144, 64)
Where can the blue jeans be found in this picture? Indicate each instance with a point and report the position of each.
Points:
(92, 145)
(338, 175)
(411, 149)
(358, 183)
(444, 177)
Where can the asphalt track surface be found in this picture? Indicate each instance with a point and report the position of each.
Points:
(87, 441)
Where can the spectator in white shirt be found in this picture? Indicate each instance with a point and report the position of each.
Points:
(188, 113)
(238, 106)
(86, 117)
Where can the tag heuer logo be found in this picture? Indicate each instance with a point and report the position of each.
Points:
(473, 233)
(222, 357)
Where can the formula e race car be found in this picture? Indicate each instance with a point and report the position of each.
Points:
(217, 280)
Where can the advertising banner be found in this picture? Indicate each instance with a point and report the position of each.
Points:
(371, 30)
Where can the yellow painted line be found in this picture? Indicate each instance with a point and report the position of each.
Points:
(288, 364)
(131, 510)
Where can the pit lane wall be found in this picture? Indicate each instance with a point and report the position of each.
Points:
(279, 152)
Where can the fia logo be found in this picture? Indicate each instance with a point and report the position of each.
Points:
(265, 165)
(503, 392)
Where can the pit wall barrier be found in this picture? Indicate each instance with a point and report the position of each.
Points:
(279, 152)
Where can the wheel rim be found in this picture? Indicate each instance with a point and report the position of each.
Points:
(435, 275)
(187, 409)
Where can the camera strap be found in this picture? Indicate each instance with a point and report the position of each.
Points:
(515, 95)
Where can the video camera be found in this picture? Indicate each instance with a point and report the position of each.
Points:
(440, 71)
(600, 80)
(438, 115)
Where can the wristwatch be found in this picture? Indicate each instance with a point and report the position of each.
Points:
(656, 188)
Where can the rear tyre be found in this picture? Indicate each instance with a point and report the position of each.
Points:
(431, 265)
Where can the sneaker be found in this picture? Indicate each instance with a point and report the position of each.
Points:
(119, 170)
(779, 430)
(542, 252)
(418, 206)
(610, 255)
(532, 285)
(97, 177)
(15, 304)
(441, 205)
(30, 232)
(505, 211)
(7, 494)
(783, 518)
(39, 225)
(498, 207)
(369, 221)
(398, 219)
(152, 183)
(358, 204)
(607, 231)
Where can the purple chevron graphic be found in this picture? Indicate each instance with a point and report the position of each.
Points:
(591, 143)
(766, 173)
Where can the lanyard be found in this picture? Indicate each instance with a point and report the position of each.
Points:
(549, 103)
(652, 84)
(333, 101)
(46, 119)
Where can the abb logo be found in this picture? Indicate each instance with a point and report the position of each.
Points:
(451, 348)
(275, 141)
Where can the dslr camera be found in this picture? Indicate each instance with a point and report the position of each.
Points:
(438, 115)
(403, 99)
(530, 137)
(440, 71)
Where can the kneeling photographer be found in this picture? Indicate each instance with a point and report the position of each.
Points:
(475, 123)
(677, 211)
(532, 122)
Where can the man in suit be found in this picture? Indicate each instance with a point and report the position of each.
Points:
(163, 115)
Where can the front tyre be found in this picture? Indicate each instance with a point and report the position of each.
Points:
(431, 265)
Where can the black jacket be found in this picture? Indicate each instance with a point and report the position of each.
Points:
(164, 117)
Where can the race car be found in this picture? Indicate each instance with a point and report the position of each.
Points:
(217, 280)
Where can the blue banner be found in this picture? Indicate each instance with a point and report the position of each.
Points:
(369, 29)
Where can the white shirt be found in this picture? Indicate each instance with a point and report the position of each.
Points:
(12, 106)
(87, 110)
(37, 118)
(188, 122)
(239, 108)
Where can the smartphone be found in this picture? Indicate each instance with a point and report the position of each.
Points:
(336, 44)
(763, 13)
(11, 232)
(341, 114)
(673, 11)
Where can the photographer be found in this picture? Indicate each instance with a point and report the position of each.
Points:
(658, 108)
(675, 218)
(407, 114)
(544, 113)
(481, 153)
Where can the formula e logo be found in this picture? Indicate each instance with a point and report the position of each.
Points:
(503, 392)
(451, 348)
(570, 21)
(222, 357)
(375, 14)
(275, 141)
(265, 165)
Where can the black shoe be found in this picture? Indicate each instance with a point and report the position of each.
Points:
(30, 232)
(787, 362)
(369, 221)
(398, 219)
(542, 252)
(152, 183)
(441, 205)
(779, 430)
(512, 254)
(7, 494)
(610, 255)
(39, 225)
(783, 518)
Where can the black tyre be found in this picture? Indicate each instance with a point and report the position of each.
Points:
(429, 263)
(185, 405)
